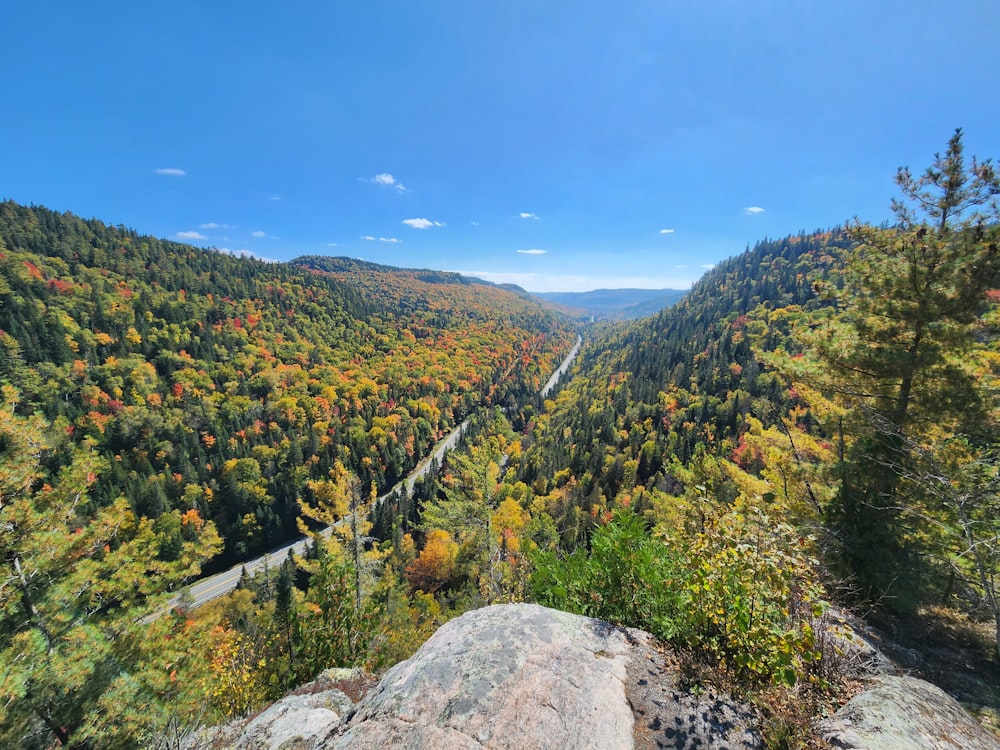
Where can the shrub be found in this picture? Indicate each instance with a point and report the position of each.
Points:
(737, 588)
(750, 594)
(627, 577)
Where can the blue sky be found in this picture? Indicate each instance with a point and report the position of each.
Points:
(563, 146)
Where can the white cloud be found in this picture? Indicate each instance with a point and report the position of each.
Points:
(213, 225)
(258, 234)
(708, 265)
(474, 223)
(422, 223)
(681, 265)
(274, 197)
(386, 179)
(533, 251)
(171, 171)
(191, 236)
(667, 231)
(331, 244)
(527, 215)
(369, 238)
(751, 210)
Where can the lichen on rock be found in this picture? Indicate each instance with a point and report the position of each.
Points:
(904, 713)
(516, 676)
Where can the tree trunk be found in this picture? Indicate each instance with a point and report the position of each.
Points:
(29, 604)
(906, 384)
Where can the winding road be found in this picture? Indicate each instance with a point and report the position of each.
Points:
(214, 586)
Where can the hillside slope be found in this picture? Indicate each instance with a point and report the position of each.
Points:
(653, 390)
(226, 384)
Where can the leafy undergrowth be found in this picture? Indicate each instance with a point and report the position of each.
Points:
(941, 645)
(787, 713)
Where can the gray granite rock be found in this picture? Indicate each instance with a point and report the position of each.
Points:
(296, 722)
(519, 676)
(523, 676)
(904, 713)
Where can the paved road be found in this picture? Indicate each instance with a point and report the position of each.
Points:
(561, 370)
(214, 586)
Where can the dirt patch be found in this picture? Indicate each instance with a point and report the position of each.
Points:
(670, 713)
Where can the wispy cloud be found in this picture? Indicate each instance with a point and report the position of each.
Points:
(191, 236)
(751, 210)
(244, 253)
(369, 238)
(681, 265)
(533, 251)
(387, 180)
(527, 215)
(258, 233)
(708, 265)
(213, 225)
(667, 231)
(274, 197)
(331, 244)
(474, 223)
(170, 171)
(422, 223)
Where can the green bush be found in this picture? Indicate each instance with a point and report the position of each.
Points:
(627, 578)
(740, 590)
(750, 594)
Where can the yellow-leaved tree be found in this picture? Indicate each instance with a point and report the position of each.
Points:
(79, 662)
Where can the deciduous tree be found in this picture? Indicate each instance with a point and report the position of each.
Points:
(74, 588)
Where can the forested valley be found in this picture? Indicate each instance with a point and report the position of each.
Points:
(814, 423)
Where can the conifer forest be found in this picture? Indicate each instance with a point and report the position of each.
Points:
(815, 423)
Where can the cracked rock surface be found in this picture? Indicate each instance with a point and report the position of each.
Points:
(523, 676)
(904, 713)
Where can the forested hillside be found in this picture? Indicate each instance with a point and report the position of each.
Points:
(815, 422)
(688, 377)
(167, 410)
(224, 384)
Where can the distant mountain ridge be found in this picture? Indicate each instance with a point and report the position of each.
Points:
(616, 304)
(343, 264)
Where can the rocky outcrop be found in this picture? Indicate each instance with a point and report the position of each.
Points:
(518, 676)
(904, 713)
(296, 722)
(850, 646)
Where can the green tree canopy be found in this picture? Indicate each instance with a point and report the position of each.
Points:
(74, 589)
(898, 354)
